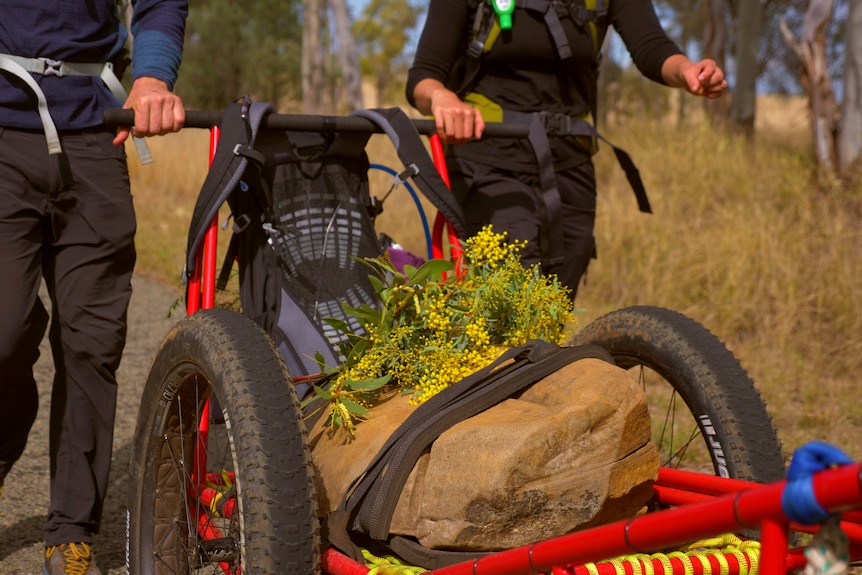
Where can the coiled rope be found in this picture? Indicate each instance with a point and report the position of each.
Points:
(705, 557)
(827, 554)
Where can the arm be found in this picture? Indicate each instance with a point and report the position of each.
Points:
(440, 45)
(158, 27)
(657, 56)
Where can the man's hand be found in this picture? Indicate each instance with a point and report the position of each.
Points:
(158, 111)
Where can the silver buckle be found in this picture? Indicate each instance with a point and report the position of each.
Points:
(52, 67)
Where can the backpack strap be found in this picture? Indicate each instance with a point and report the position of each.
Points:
(370, 503)
(552, 20)
(563, 124)
(560, 124)
(551, 206)
(414, 155)
(239, 127)
(486, 30)
(23, 68)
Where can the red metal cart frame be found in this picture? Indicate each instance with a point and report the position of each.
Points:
(697, 505)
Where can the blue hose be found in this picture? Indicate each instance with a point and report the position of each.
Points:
(416, 201)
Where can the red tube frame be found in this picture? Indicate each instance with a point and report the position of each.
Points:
(729, 505)
(440, 221)
(740, 505)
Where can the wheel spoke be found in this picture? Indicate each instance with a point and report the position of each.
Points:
(217, 382)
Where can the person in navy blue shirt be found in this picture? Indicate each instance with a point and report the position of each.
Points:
(66, 218)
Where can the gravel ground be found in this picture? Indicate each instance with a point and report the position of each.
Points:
(25, 499)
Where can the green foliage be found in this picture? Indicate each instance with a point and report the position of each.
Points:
(435, 327)
(234, 48)
(382, 34)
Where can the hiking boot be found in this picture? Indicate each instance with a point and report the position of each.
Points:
(70, 559)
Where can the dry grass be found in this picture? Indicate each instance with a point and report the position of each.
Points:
(742, 239)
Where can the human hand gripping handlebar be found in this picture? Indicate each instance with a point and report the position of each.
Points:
(313, 123)
(336, 124)
(319, 124)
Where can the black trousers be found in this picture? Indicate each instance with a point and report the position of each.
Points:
(67, 219)
(509, 201)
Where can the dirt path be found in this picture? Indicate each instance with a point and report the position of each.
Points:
(25, 500)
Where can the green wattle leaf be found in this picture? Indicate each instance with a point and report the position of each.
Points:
(354, 407)
(369, 384)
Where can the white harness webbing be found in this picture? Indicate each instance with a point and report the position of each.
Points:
(23, 68)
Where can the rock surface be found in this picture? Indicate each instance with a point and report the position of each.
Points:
(573, 450)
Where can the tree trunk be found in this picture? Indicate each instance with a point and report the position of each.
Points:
(742, 108)
(715, 48)
(312, 58)
(811, 49)
(347, 55)
(850, 127)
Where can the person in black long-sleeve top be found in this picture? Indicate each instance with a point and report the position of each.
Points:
(497, 180)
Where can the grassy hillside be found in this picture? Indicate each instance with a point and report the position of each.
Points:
(742, 239)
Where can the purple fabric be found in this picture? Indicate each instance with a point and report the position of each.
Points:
(401, 258)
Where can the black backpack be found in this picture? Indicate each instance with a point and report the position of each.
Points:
(302, 213)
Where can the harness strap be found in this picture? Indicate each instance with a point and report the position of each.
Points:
(239, 126)
(551, 206)
(574, 126)
(412, 152)
(552, 20)
(23, 68)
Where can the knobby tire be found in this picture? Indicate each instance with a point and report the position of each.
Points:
(729, 418)
(255, 425)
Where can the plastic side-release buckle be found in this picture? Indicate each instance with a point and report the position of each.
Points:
(556, 123)
(52, 67)
(475, 48)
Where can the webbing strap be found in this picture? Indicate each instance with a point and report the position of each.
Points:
(23, 68)
(551, 206)
(370, 502)
(552, 21)
(563, 124)
(239, 126)
(9, 64)
(413, 154)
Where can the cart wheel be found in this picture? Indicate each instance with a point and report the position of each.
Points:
(707, 416)
(221, 479)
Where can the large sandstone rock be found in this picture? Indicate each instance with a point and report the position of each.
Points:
(571, 451)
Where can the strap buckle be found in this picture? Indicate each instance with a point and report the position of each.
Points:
(52, 67)
(475, 48)
(556, 123)
(560, 7)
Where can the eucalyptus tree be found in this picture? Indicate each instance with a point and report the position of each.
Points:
(382, 34)
(235, 48)
(850, 128)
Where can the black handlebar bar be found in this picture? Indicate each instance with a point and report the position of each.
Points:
(312, 123)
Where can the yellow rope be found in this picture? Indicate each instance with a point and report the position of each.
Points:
(665, 562)
(688, 568)
(646, 560)
(388, 565)
(743, 551)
